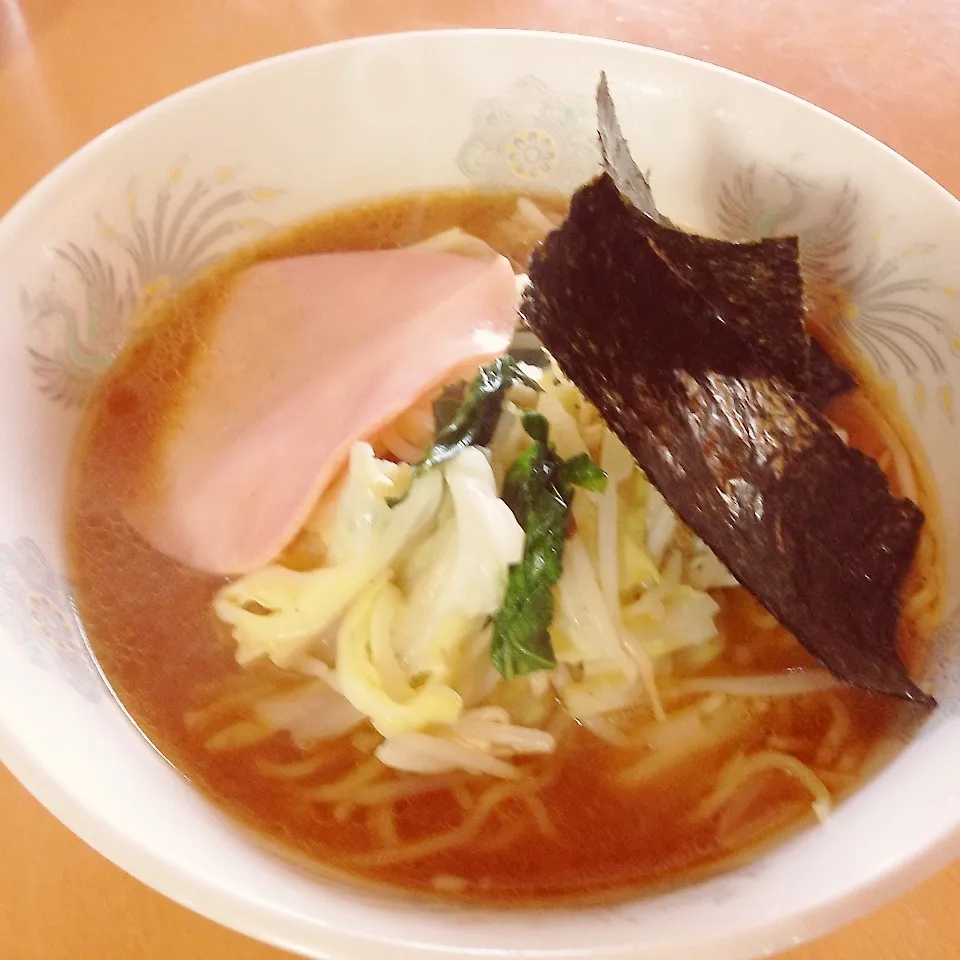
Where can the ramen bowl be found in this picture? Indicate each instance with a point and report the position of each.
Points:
(138, 212)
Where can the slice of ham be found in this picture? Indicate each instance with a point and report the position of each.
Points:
(308, 355)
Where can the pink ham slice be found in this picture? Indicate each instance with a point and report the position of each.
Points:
(309, 355)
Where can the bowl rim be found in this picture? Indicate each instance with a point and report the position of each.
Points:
(245, 913)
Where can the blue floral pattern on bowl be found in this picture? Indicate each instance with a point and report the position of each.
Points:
(531, 137)
(38, 614)
(891, 310)
(80, 318)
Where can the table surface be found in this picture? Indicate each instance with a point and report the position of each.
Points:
(71, 68)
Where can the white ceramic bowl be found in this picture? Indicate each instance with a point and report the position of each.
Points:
(140, 209)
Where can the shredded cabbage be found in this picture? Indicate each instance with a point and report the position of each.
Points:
(277, 612)
(392, 707)
(672, 616)
(463, 572)
(396, 617)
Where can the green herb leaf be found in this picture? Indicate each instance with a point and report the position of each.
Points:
(474, 421)
(516, 484)
(539, 490)
(537, 426)
(581, 471)
(521, 640)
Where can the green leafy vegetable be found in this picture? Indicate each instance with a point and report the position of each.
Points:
(581, 471)
(473, 422)
(539, 490)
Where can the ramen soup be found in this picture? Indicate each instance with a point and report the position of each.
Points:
(414, 693)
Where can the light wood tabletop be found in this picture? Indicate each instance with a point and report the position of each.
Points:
(71, 68)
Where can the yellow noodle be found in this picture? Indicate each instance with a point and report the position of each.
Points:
(558, 724)
(678, 725)
(238, 736)
(400, 448)
(382, 654)
(227, 703)
(440, 842)
(783, 709)
(391, 791)
(513, 829)
(762, 826)
(739, 804)
(761, 617)
(675, 728)
(416, 425)
(835, 781)
(742, 656)
(298, 769)
(848, 762)
(366, 741)
(786, 744)
(445, 883)
(742, 769)
(718, 729)
(315, 667)
(242, 682)
(523, 397)
(923, 604)
(223, 686)
(836, 736)
(463, 796)
(788, 683)
(712, 703)
(476, 676)
(600, 726)
(545, 776)
(540, 816)
(382, 823)
(530, 212)
(346, 786)
(903, 466)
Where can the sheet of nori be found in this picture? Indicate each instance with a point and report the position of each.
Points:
(757, 285)
(741, 453)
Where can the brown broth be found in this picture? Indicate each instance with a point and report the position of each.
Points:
(151, 626)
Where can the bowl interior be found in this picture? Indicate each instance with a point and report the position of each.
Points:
(143, 208)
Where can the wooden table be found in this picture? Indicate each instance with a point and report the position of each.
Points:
(71, 68)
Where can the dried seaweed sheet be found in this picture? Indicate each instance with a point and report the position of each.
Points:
(725, 426)
(756, 285)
